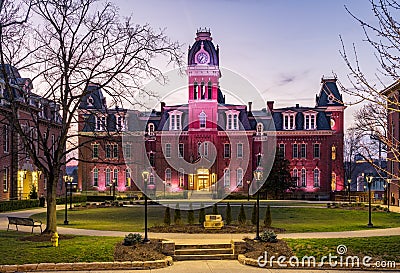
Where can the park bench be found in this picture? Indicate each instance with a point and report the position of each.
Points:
(213, 222)
(18, 221)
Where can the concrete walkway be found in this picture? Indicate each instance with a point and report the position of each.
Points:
(198, 238)
(220, 267)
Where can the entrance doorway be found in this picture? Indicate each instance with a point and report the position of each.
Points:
(203, 176)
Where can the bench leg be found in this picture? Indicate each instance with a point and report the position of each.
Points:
(16, 226)
(8, 227)
(41, 229)
(32, 230)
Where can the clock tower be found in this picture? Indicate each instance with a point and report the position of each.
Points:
(203, 76)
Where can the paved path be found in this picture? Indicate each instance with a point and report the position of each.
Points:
(199, 238)
(220, 267)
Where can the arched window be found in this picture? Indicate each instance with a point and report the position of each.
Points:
(202, 119)
(227, 178)
(303, 178)
(239, 177)
(151, 179)
(333, 152)
(316, 178)
(209, 87)
(108, 177)
(295, 176)
(333, 182)
(181, 177)
(115, 178)
(127, 177)
(260, 128)
(203, 91)
(152, 159)
(150, 128)
(95, 177)
(195, 90)
(168, 176)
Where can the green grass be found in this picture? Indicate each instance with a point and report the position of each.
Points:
(77, 249)
(379, 248)
(131, 219)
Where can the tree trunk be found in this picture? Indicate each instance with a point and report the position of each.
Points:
(51, 217)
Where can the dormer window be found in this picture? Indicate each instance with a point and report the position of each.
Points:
(175, 120)
(202, 119)
(260, 129)
(310, 121)
(289, 121)
(150, 129)
(232, 120)
(101, 123)
(120, 123)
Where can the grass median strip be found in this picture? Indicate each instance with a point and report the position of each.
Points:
(76, 249)
(131, 219)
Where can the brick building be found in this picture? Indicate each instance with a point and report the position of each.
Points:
(37, 115)
(176, 144)
(392, 94)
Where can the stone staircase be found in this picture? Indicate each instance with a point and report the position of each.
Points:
(185, 252)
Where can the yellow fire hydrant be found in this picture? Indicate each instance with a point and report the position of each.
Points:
(54, 239)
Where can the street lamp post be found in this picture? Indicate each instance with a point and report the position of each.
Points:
(113, 188)
(369, 181)
(349, 189)
(66, 180)
(70, 191)
(145, 175)
(248, 190)
(258, 176)
(389, 180)
(164, 182)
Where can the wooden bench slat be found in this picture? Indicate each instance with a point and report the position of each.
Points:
(23, 222)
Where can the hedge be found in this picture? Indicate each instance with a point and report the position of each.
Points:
(18, 204)
(75, 199)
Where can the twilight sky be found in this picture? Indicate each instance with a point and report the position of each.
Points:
(282, 47)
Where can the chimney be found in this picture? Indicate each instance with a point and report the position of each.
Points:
(250, 104)
(162, 106)
(270, 105)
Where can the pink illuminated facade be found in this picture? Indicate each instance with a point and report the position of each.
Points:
(310, 137)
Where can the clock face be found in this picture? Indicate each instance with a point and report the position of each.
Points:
(332, 123)
(202, 58)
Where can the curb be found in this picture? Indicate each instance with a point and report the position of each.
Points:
(253, 262)
(87, 266)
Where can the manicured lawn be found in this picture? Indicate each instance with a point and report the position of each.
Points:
(379, 248)
(77, 249)
(131, 219)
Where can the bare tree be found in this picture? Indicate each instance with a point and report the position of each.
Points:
(371, 121)
(80, 42)
(351, 149)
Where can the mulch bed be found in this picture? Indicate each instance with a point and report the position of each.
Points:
(139, 252)
(256, 249)
(192, 229)
(44, 237)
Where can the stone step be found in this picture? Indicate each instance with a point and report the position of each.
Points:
(202, 246)
(204, 257)
(214, 251)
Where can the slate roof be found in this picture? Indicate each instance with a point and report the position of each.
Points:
(208, 46)
(329, 94)
(323, 119)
